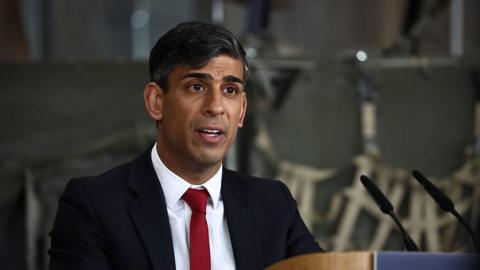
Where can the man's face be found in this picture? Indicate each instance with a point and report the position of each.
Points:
(201, 112)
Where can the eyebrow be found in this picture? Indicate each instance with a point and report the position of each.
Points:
(198, 75)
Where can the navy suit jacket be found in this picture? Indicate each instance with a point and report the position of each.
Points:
(119, 220)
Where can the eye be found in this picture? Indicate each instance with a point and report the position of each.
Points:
(196, 87)
(230, 90)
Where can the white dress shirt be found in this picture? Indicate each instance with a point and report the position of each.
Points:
(179, 213)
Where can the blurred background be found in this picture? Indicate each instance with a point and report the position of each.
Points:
(338, 89)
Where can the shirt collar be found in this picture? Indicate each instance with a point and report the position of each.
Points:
(174, 186)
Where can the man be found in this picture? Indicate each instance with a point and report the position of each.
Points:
(141, 215)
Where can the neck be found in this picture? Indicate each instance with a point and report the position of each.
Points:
(196, 177)
(193, 174)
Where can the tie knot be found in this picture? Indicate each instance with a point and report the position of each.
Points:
(196, 199)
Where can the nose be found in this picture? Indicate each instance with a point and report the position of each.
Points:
(213, 105)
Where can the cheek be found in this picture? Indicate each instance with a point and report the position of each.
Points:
(182, 118)
(174, 116)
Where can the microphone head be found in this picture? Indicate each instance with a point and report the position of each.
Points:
(387, 208)
(442, 200)
(377, 195)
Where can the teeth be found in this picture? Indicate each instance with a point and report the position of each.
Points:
(211, 131)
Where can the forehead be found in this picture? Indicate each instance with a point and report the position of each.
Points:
(217, 67)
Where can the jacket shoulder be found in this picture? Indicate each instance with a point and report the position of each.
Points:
(249, 180)
(112, 180)
(258, 188)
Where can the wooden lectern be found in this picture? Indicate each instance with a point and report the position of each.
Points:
(380, 261)
(327, 261)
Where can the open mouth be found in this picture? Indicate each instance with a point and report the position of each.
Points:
(211, 132)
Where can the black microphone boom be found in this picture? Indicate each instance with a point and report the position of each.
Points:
(445, 203)
(387, 208)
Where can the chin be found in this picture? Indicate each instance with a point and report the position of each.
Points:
(209, 159)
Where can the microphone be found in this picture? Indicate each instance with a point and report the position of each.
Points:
(445, 203)
(387, 208)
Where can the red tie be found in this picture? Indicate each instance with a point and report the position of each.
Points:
(199, 244)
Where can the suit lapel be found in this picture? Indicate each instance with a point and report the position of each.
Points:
(245, 238)
(149, 214)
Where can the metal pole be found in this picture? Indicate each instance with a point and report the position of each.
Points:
(217, 12)
(456, 27)
(140, 26)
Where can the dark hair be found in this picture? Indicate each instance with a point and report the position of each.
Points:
(192, 44)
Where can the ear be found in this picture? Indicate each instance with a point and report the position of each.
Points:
(243, 109)
(153, 97)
